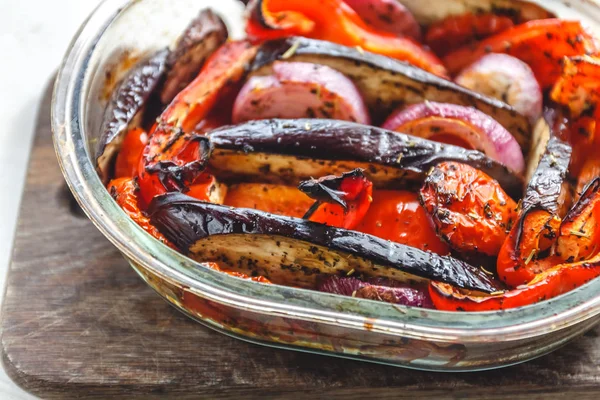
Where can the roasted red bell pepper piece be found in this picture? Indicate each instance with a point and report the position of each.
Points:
(124, 191)
(518, 260)
(550, 283)
(579, 237)
(456, 31)
(176, 152)
(341, 201)
(398, 216)
(128, 160)
(334, 21)
(578, 91)
(542, 44)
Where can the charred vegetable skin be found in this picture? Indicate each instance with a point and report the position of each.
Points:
(469, 209)
(389, 158)
(334, 21)
(126, 103)
(386, 84)
(288, 249)
(201, 38)
(341, 201)
(545, 200)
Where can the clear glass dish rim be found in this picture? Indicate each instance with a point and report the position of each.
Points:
(68, 109)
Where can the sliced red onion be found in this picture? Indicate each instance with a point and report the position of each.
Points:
(388, 16)
(300, 90)
(459, 125)
(506, 78)
(392, 292)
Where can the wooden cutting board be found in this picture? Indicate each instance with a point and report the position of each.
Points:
(78, 322)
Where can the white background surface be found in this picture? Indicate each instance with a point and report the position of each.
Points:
(34, 34)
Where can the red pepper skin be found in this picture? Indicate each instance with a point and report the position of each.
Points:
(551, 283)
(123, 190)
(517, 261)
(578, 91)
(341, 201)
(128, 159)
(455, 31)
(542, 44)
(334, 21)
(398, 216)
(175, 154)
(579, 237)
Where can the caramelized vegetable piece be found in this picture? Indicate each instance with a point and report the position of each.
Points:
(207, 188)
(125, 108)
(202, 37)
(286, 151)
(578, 90)
(387, 16)
(459, 125)
(174, 156)
(545, 202)
(398, 216)
(123, 190)
(551, 283)
(334, 21)
(384, 83)
(132, 148)
(541, 44)
(468, 208)
(579, 237)
(276, 199)
(299, 90)
(455, 31)
(295, 251)
(589, 172)
(341, 201)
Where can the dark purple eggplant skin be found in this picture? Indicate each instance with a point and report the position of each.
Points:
(186, 221)
(202, 37)
(388, 292)
(386, 83)
(548, 182)
(127, 100)
(340, 140)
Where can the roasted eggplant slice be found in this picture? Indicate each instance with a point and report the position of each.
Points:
(546, 200)
(124, 108)
(430, 11)
(287, 151)
(205, 34)
(387, 84)
(297, 252)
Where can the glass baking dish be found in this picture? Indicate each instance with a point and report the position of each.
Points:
(273, 315)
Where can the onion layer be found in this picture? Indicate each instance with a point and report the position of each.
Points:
(459, 125)
(299, 90)
(506, 78)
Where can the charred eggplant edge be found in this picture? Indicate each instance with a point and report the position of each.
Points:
(186, 221)
(334, 140)
(127, 101)
(397, 74)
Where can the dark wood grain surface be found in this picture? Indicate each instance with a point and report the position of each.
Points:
(78, 322)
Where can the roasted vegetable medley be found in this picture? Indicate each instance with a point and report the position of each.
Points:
(440, 157)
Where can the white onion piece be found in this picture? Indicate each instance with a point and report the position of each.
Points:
(459, 125)
(388, 16)
(300, 90)
(506, 78)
